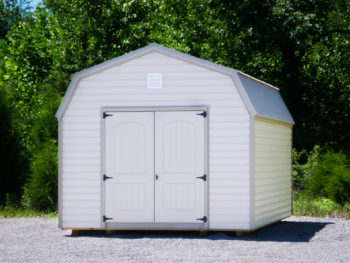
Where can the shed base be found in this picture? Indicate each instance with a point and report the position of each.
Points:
(202, 231)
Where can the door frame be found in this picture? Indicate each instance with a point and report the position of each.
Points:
(154, 225)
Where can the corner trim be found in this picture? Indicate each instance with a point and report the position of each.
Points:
(252, 172)
(60, 166)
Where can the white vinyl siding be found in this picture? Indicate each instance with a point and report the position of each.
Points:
(183, 84)
(272, 172)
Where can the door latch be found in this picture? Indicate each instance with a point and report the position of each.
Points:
(105, 177)
(105, 115)
(106, 218)
(156, 176)
(204, 177)
(204, 114)
(204, 219)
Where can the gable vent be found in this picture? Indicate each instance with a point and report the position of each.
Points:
(154, 80)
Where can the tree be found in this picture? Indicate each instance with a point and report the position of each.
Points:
(299, 46)
(12, 11)
(39, 56)
(12, 163)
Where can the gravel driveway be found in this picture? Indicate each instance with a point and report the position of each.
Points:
(297, 239)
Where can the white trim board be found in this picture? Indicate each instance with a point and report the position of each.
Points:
(156, 225)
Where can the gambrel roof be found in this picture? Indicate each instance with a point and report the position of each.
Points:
(260, 98)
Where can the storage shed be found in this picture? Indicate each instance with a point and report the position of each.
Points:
(157, 139)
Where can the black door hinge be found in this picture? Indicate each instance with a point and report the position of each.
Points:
(105, 177)
(106, 115)
(106, 218)
(204, 177)
(204, 114)
(204, 219)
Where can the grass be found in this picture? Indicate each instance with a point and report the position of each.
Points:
(14, 211)
(304, 205)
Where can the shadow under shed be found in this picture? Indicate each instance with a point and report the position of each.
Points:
(284, 231)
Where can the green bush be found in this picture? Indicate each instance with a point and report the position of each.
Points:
(322, 173)
(304, 205)
(12, 162)
(331, 177)
(303, 163)
(41, 189)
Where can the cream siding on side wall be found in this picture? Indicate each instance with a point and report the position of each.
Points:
(272, 172)
(184, 84)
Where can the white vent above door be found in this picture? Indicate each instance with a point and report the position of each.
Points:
(154, 81)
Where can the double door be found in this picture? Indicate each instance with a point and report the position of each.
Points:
(154, 164)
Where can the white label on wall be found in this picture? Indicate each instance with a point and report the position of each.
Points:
(154, 80)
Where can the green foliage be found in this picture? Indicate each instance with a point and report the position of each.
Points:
(304, 205)
(300, 46)
(12, 11)
(12, 165)
(324, 174)
(303, 163)
(10, 209)
(30, 61)
(41, 188)
(331, 177)
(91, 32)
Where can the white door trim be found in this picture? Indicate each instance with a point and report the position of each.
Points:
(155, 109)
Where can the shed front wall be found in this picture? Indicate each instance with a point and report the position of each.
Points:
(273, 144)
(183, 84)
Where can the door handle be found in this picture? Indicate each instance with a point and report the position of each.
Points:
(156, 176)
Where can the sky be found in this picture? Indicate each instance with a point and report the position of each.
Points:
(34, 3)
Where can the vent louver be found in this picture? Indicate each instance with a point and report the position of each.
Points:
(154, 80)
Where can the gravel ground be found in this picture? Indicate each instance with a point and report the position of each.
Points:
(296, 239)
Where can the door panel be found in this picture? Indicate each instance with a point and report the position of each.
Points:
(130, 161)
(179, 151)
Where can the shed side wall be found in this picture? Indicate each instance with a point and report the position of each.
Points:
(184, 84)
(272, 172)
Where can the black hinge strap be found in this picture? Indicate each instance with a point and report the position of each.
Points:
(105, 177)
(204, 177)
(106, 218)
(204, 219)
(204, 114)
(106, 115)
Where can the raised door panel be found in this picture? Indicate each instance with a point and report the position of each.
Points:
(130, 161)
(179, 144)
